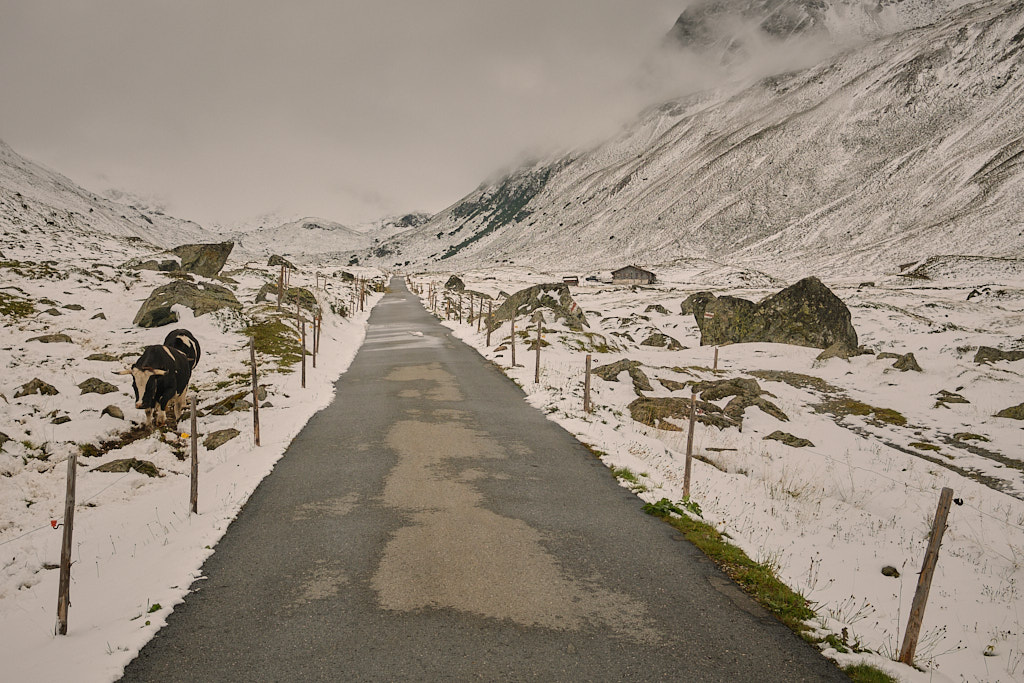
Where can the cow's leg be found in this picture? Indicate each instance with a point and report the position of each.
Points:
(161, 416)
(149, 418)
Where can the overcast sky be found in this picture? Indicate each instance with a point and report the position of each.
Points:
(348, 110)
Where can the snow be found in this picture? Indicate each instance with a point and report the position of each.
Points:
(827, 517)
(136, 548)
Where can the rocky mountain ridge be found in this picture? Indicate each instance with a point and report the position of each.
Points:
(904, 148)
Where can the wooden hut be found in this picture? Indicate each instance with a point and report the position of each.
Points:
(632, 275)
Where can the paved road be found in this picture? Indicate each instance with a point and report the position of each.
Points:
(430, 525)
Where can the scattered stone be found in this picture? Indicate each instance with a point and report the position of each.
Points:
(654, 412)
(52, 311)
(125, 464)
(60, 420)
(219, 438)
(276, 260)
(967, 436)
(804, 314)
(206, 260)
(114, 412)
(98, 316)
(292, 295)
(943, 398)
(611, 372)
(714, 390)
(52, 339)
(233, 403)
(661, 340)
(657, 308)
(36, 386)
(788, 439)
(73, 307)
(1013, 412)
(202, 298)
(673, 385)
(886, 355)
(907, 362)
(889, 570)
(266, 404)
(455, 284)
(554, 296)
(3, 439)
(987, 354)
(105, 357)
(841, 350)
(94, 385)
(735, 408)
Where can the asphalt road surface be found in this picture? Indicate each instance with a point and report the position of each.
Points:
(430, 525)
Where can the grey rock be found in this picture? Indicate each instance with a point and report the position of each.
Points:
(52, 339)
(661, 340)
(455, 284)
(95, 385)
(907, 362)
(114, 412)
(658, 308)
(74, 307)
(206, 260)
(1013, 412)
(788, 439)
(987, 354)
(611, 372)
(292, 295)
(218, 438)
(690, 303)
(36, 386)
(233, 403)
(60, 420)
(202, 298)
(946, 397)
(105, 357)
(804, 314)
(3, 439)
(555, 297)
(52, 311)
(276, 260)
(126, 464)
(99, 316)
(889, 570)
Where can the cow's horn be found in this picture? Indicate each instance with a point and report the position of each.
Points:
(126, 371)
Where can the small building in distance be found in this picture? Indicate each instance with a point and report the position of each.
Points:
(571, 280)
(632, 275)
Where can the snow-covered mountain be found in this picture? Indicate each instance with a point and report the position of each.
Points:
(904, 147)
(34, 199)
(319, 239)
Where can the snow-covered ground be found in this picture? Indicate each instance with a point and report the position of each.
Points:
(827, 517)
(136, 548)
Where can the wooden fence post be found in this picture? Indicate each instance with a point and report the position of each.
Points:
(586, 387)
(193, 498)
(924, 580)
(470, 318)
(536, 369)
(280, 287)
(302, 329)
(689, 446)
(715, 369)
(513, 339)
(489, 321)
(64, 585)
(255, 392)
(480, 314)
(460, 308)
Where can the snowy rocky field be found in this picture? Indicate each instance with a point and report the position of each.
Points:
(831, 515)
(136, 548)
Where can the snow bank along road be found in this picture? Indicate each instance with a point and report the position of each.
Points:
(429, 524)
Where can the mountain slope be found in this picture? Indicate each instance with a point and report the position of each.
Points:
(34, 199)
(909, 146)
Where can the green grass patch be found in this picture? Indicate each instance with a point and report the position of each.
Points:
(632, 479)
(922, 446)
(14, 306)
(865, 673)
(273, 338)
(757, 579)
(848, 406)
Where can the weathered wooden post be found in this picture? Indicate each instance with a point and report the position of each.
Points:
(280, 287)
(490, 319)
(470, 318)
(715, 369)
(689, 446)
(460, 308)
(193, 499)
(64, 585)
(924, 580)
(255, 395)
(586, 387)
(536, 369)
(302, 329)
(480, 313)
(513, 339)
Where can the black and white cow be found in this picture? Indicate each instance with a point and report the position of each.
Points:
(183, 340)
(160, 378)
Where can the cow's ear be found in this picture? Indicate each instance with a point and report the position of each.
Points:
(126, 371)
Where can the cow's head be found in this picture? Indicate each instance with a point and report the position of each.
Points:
(145, 378)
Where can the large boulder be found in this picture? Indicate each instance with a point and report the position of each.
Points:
(206, 260)
(300, 295)
(455, 284)
(554, 297)
(987, 354)
(276, 260)
(688, 305)
(804, 314)
(202, 298)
